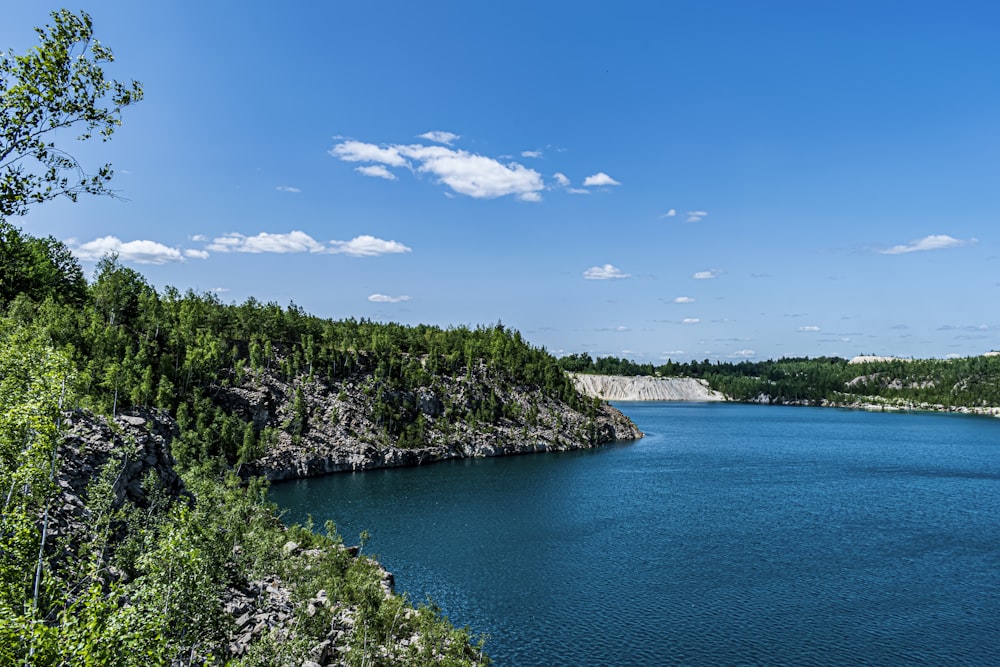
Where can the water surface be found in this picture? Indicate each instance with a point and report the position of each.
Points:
(731, 534)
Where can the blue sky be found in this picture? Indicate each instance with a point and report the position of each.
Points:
(722, 180)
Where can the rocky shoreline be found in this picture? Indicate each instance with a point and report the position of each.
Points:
(646, 388)
(342, 434)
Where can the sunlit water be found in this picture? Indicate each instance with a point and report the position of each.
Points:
(730, 534)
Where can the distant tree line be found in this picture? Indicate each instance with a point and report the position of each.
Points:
(969, 381)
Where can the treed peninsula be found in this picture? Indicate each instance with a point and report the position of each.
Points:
(140, 429)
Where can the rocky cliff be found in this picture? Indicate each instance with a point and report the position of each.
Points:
(645, 388)
(315, 426)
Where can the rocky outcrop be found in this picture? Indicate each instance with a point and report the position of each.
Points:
(341, 429)
(135, 445)
(645, 388)
(873, 358)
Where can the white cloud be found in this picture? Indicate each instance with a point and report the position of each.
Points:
(358, 151)
(599, 179)
(440, 137)
(367, 246)
(690, 320)
(219, 290)
(669, 214)
(476, 176)
(707, 275)
(383, 298)
(809, 328)
(932, 242)
(376, 171)
(743, 354)
(140, 252)
(577, 191)
(605, 272)
(294, 241)
(471, 174)
(287, 188)
(683, 299)
(195, 254)
(696, 216)
(621, 328)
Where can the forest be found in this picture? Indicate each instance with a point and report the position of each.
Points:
(70, 348)
(965, 382)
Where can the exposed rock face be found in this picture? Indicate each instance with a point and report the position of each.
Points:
(872, 358)
(645, 388)
(137, 443)
(343, 432)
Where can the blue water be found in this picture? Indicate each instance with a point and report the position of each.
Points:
(731, 534)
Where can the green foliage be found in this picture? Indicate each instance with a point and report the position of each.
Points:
(38, 269)
(58, 85)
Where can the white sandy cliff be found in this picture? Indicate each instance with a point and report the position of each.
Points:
(645, 388)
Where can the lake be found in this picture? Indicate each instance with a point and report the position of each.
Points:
(730, 534)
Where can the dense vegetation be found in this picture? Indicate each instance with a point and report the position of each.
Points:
(146, 587)
(969, 382)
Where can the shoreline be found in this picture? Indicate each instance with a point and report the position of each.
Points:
(649, 389)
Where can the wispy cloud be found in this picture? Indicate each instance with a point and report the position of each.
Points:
(383, 298)
(932, 242)
(561, 179)
(288, 188)
(140, 251)
(707, 275)
(294, 241)
(440, 137)
(577, 191)
(690, 320)
(967, 327)
(297, 241)
(367, 246)
(743, 354)
(531, 154)
(470, 174)
(598, 180)
(695, 216)
(683, 299)
(809, 329)
(358, 151)
(606, 272)
(669, 214)
(376, 171)
(195, 254)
